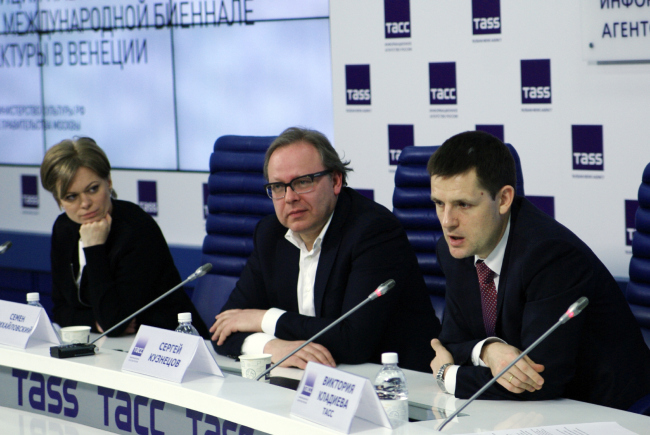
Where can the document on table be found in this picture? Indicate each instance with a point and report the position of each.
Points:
(609, 428)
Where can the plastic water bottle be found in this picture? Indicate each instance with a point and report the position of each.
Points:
(390, 385)
(33, 299)
(185, 324)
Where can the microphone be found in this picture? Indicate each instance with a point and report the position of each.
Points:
(83, 349)
(379, 291)
(200, 272)
(575, 309)
(5, 247)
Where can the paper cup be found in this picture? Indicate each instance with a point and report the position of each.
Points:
(75, 334)
(253, 365)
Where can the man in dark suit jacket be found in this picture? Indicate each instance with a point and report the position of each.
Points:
(323, 252)
(539, 268)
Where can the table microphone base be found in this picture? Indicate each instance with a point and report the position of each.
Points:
(291, 384)
(72, 350)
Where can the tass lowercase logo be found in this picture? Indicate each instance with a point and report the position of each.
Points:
(631, 206)
(486, 17)
(397, 19)
(536, 81)
(399, 137)
(357, 84)
(587, 143)
(442, 83)
(138, 349)
(368, 193)
(148, 197)
(29, 191)
(308, 387)
(544, 203)
(494, 129)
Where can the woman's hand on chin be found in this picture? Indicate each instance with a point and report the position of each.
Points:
(95, 233)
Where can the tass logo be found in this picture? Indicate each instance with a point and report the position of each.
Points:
(357, 84)
(133, 413)
(631, 207)
(368, 193)
(52, 394)
(486, 17)
(544, 203)
(30, 191)
(399, 137)
(308, 388)
(494, 130)
(536, 81)
(206, 194)
(138, 349)
(148, 197)
(442, 83)
(397, 19)
(587, 143)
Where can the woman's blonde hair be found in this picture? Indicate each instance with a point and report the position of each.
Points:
(62, 161)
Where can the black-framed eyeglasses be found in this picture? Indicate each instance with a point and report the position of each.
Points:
(302, 184)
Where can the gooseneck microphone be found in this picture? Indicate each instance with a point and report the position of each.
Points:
(575, 309)
(5, 246)
(82, 349)
(379, 291)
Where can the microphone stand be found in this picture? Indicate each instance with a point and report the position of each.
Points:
(573, 311)
(380, 291)
(83, 349)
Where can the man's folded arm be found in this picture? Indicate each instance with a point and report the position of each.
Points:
(548, 297)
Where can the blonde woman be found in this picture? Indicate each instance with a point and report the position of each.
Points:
(109, 257)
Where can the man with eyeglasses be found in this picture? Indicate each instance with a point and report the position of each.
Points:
(325, 250)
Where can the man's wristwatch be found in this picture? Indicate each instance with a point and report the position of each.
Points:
(440, 377)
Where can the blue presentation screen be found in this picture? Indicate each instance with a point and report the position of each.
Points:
(155, 83)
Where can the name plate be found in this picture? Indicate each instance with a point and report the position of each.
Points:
(21, 322)
(168, 355)
(332, 398)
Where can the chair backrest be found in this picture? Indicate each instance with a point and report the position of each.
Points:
(236, 203)
(413, 207)
(641, 406)
(638, 289)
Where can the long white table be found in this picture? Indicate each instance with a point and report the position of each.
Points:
(265, 407)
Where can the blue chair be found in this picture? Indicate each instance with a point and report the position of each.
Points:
(637, 292)
(638, 289)
(413, 207)
(236, 203)
(642, 406)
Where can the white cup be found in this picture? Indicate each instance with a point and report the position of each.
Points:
(253, 365)
(75, 334)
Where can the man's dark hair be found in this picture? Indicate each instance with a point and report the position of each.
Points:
(494, 164)
(328, 155)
